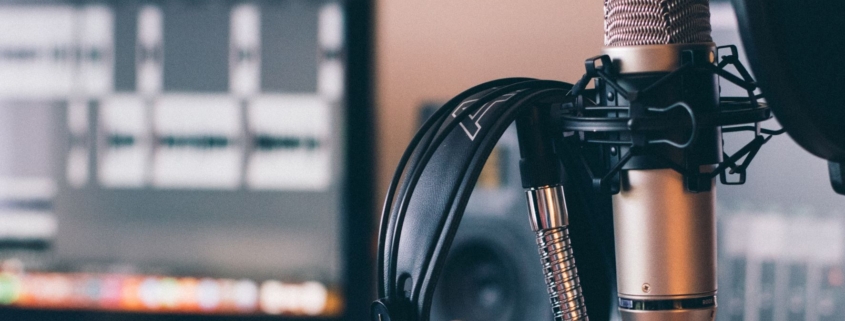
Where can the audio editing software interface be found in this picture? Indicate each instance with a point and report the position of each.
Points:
(172, 156)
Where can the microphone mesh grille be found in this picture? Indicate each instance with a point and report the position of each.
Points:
(656, 22)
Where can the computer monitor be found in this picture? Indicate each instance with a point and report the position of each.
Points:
(206, 158)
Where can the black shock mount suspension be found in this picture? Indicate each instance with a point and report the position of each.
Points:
(638, 135)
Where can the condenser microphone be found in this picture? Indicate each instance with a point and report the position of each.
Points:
(664, 224)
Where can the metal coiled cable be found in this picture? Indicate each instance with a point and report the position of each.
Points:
(655, 22)
(561, 274)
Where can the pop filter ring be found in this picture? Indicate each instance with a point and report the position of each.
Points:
(797, 71)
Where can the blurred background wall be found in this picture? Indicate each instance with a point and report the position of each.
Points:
(429, 51)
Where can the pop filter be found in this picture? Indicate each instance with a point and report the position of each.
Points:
(795, 50)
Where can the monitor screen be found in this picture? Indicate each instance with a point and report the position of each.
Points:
(173, 156)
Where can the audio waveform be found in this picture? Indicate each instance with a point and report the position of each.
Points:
(72, 53)
(268, 143)
(261, 142)
(153, 54)
(246, 54)
(200, 141)
(18, 54)
(119, 140)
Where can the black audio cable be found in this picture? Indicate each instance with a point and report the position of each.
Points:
(434, 121)
(543, 181)
(424, 155)
(415, 159)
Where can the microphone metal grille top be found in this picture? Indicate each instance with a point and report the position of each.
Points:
(656, 22)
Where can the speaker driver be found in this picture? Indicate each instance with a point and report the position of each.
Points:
(492, 273)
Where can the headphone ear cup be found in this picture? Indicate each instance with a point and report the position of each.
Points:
(492, 273)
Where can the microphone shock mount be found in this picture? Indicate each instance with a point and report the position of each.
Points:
(656, 115)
